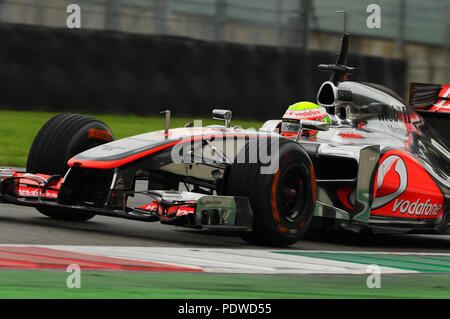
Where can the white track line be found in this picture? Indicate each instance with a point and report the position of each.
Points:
(219, 260)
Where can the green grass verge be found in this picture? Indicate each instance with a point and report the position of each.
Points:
(52, 284)
(18, 129)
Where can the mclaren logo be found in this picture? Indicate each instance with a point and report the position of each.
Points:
(391, 165)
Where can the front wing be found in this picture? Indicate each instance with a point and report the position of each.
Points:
(179, 208)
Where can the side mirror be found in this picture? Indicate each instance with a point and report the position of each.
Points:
(219, 114)
(315, 125)
(167, 122)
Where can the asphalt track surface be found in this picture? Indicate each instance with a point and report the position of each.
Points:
(24, 225)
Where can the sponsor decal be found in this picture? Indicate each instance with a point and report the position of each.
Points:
(302, 113)
(150, 207)
(416, 208)
(182, 210)
(393, 114)
(177, 210)
(24, 191)
(398, 196)
(395, 128)
(351, 135)
(345, 95)
(405, 189)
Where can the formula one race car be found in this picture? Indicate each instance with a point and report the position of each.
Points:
(361, 158)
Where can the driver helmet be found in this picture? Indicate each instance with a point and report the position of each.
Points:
(302, 111)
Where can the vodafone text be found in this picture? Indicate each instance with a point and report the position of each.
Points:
(416, 208)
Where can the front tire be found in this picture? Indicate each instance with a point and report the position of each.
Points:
(61, 138)
(282, 202)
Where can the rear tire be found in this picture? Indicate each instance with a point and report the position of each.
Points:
(283, 202)
(61, 138)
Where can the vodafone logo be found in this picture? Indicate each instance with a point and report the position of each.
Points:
(391, 166)
(416, 208)
(301, 114)
(405, 189)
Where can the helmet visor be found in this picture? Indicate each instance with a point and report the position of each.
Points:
(290, 127)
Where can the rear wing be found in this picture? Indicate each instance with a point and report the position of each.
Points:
(430, 97)
(432, 102)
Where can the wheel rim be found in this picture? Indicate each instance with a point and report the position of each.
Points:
(292, 193)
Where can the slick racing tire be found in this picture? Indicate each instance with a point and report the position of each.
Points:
(61, 138)
(282, 201)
